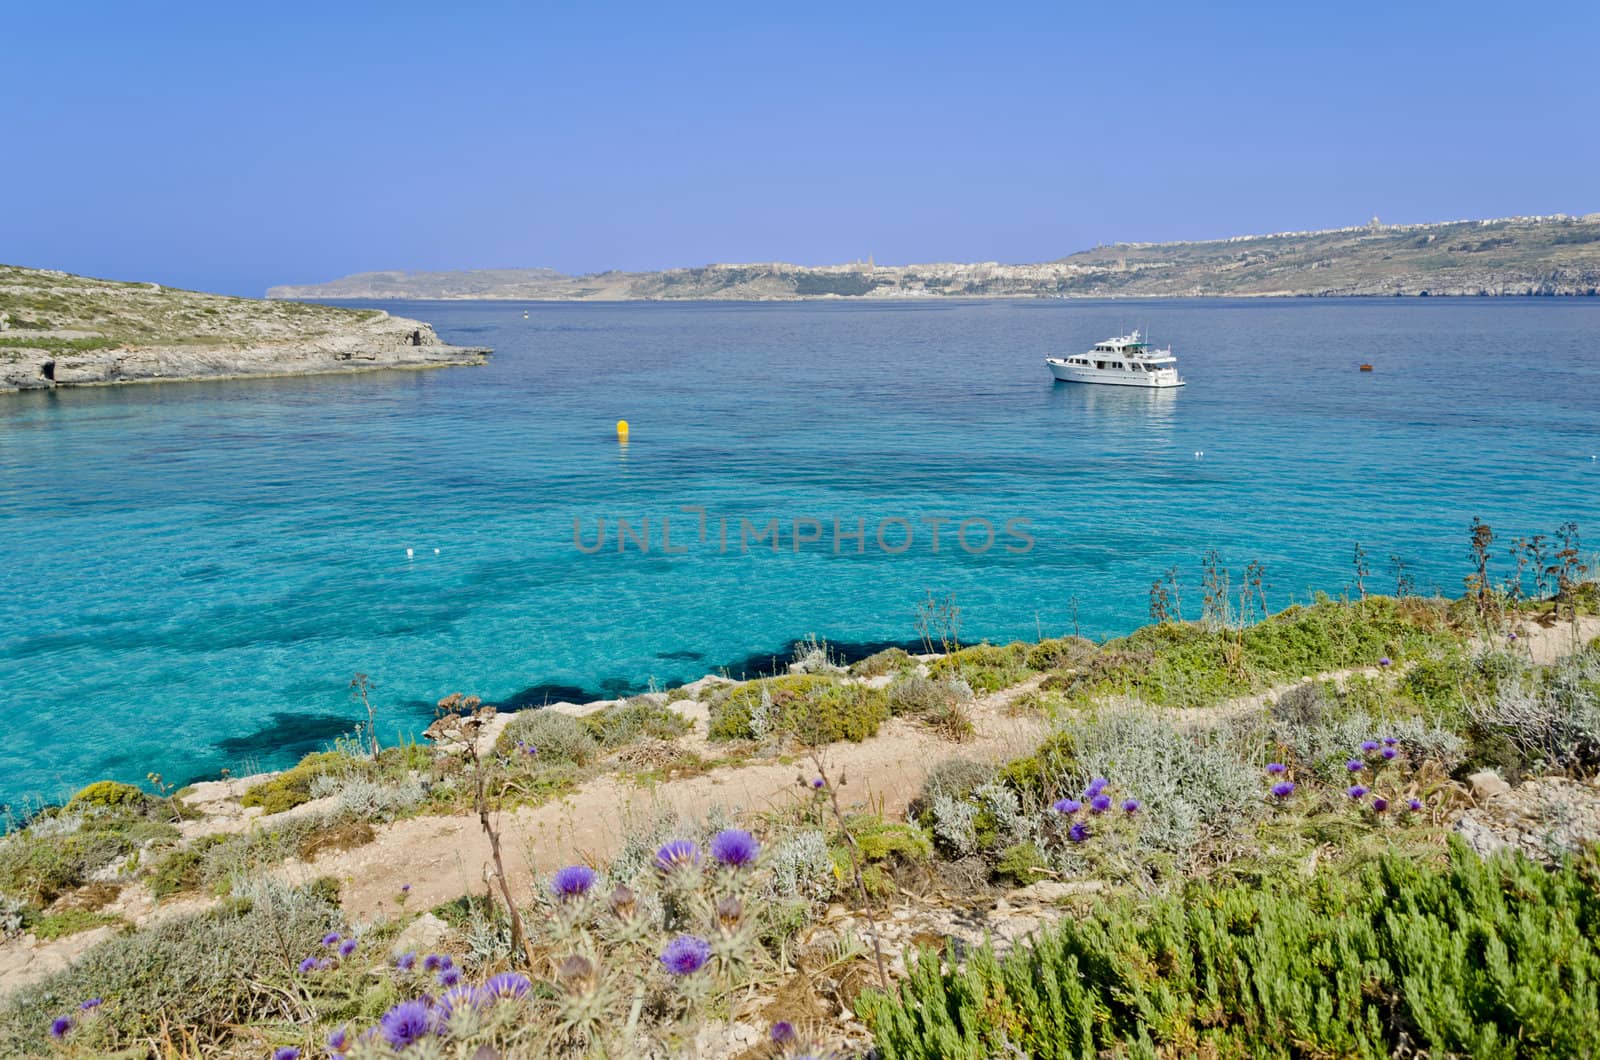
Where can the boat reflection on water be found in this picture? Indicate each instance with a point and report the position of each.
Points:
(1151, 406)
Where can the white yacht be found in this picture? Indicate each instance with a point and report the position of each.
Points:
(1126, 361)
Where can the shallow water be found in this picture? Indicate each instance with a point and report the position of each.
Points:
(193, 572)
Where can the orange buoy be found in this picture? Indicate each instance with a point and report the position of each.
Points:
(1366, 368)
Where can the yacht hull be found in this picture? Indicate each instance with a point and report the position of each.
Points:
(1071, 373)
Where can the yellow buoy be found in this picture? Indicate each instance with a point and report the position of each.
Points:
(622, 429)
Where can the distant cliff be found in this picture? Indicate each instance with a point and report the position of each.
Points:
(57, 329)
(1556, 255)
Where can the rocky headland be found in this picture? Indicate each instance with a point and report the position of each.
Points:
(57, 329)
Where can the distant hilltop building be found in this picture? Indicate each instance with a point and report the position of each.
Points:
(1375, 224)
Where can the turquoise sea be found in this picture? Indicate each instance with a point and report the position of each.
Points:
(192, 572)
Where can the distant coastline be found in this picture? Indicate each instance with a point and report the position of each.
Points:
(1553, 255)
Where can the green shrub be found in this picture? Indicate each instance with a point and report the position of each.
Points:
(954, 778)
(1482, 959)
(40, 868)
(1551, 716)
(811, 708)
(924, 696)
(985, 667)
(1058, 653)
(559, 738)
(878, 664)
(180, 871)
(1041, 772)
(243, 855)
(1023, 862)
(1187, 665)
(883, 847)
(70, 922)
(109, 793)
(878, 839)
(633, 720)
(1441, 684)
(1307, 703)
(292, 787)
(203, 975)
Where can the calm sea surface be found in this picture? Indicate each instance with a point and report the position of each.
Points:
(192, 572)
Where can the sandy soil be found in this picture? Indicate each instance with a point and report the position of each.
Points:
(445, 857)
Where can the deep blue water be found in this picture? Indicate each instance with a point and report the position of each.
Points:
(193, 572)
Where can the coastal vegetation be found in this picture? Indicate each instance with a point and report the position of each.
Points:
(62, 307)
(1460, 956)
(1361, 826)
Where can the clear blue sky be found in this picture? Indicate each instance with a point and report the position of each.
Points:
(231, 146)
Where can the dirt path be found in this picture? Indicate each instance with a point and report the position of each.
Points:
(445, 857)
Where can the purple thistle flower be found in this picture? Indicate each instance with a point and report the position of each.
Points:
(287, 1052)
(432, 962)
(572, 882)
(406, 961)
(1277, 768)
(1385, 661)
(1283, 789)
(1100, 804)
(448, 977)
(347, 947)
(308, 965)
(1067, 806)
(405, 888)
(1078, 832)
(507, 985)
(60, 1026)
(1355, 765)
(338, 1041)
(331, 939)
(783, 1033)
(1357, 792)
(735, 848)
(92, 1003)
(1369, 746)
(1388, 754)
(1414, 805)
(1380, 803)
(686, 955)
(680, 853)
(405, 1024)
(1131, 806)
(459, 999)
(1096, 786)
(1511, 636)
(1390, 741)
(527, 748)
(818, 783)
